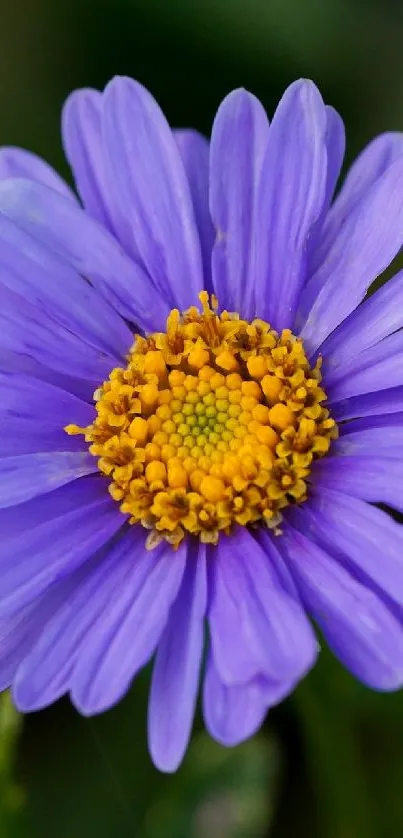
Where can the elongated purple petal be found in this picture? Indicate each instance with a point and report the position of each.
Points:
(372, 478)
(256, 627)
(356, 623)
(232, 714)
(195, 153)
(363, 247)
(29, 267)
(129, 630)
(74, 607)
(372, 321)
(362, 537)
(20, 631)
(388, 401)
(25, 476)
(335, 139)
(78, 242)
(19, 364)
(370, 165)
(381, 435)
(377, 368)
(83, 145)
(147, 173)
(177, 668)
(33, 414)
(392, 421)
(28, 331)
(17, 163)
(59, 532)
(291, 197)
(335, 142)
(238, 143)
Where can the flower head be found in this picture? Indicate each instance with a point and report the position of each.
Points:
(199, 411)
(214, 423)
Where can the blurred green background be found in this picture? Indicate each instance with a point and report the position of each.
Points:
(329, 763)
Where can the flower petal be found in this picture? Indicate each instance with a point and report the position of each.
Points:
(363, 538)
(147, 173)
(195, 153)
(373, 320)
(176, 673)
(20, 631)
(372, 478)
(381, 434)
(46, 538)
(129, 629)
(73, 607)
(238, 142)
(335, 139)
(335, 142)
(17, 163)
(27, 330)
(369, 404)
(232, 714)
(27, 475)
(363, 247)
(76, 243)
(291, 198)
(356, 623)
(83, 146)
(22, 365)
(370, 165)
(370, 423)
(29, 268)
(33, 414)
(257, 628)
(377, 368)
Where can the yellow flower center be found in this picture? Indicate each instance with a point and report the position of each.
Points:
(212, 423)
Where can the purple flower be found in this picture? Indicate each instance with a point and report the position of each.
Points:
(251, 552)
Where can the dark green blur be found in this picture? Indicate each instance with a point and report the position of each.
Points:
(329, 762)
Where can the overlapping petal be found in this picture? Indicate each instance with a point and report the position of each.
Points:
(25, 476)
(378, 368)
(387, 401)
(232, 713)
(61, 530)
(373, 478)
(19, 163)
(356, 623)
(292, 192)
(362, 537)
(41, 222)
(76, 604)
(163, 233)
(357, 256)
(33, 415)
(373, 320)
(195, 153)
(256, 626)
(367, 168)
(176, 673)
(127, 633)
(84, 149)
(238, 144)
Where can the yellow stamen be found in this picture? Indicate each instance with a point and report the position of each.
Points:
(138, 429)
(213, 423)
